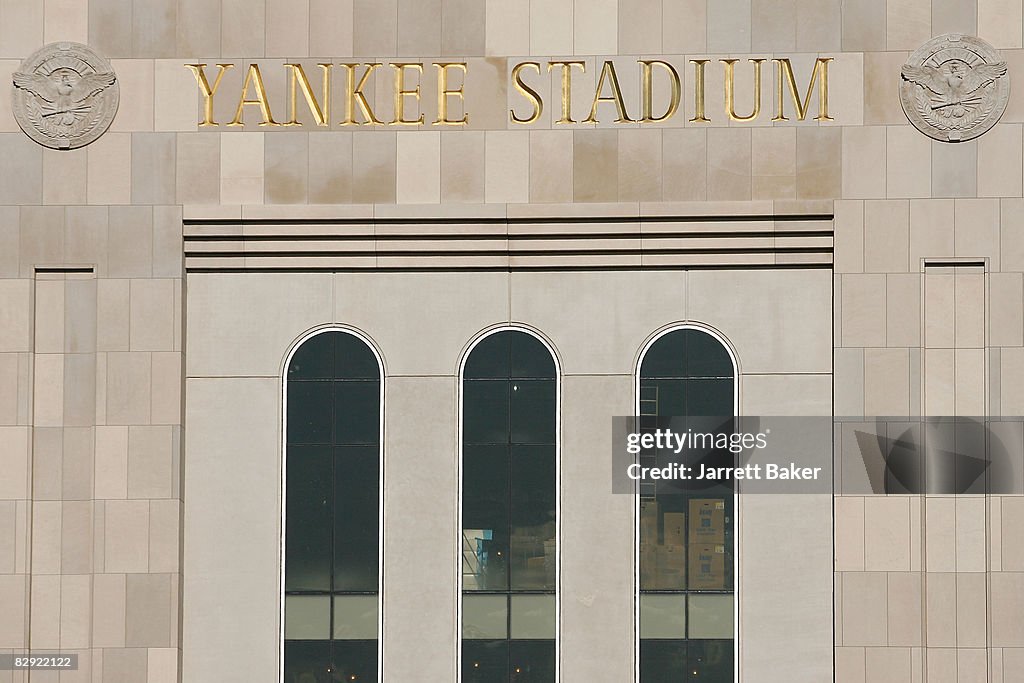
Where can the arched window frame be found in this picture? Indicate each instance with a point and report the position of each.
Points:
(734, 358)
(558, 487)
(296, 345)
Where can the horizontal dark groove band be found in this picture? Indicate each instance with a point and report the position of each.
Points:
(512, 269)
(362, 237)
(954, 264)
(518, 220)
(508, 254)
(59, 269)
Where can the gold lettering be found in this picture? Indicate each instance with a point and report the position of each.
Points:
(785, 68)
(254, 77)
(647, 86)
(354, 95)
(206, 90)
(730, 89)
(443, 93)
(297, 80)
(608, 70)
(401, 93)
(567, 87)
(698, 88)
(527, 92)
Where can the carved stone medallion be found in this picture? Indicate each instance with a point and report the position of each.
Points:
(65, 95)
(954, 87)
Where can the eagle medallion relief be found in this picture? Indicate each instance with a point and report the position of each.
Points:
(65, 95)
(954, 88)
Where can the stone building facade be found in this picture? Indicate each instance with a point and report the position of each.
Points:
(154, 283)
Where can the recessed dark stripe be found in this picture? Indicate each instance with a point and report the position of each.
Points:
(505, 236)
(58, 269)
(506, 269)
(503, 252)
(546, 220)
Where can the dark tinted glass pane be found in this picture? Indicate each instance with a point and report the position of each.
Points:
(485, 411)
(489, 358)
(485, 520)
(705, 356)
(356, 518)
(355, 660)
(691, 397)
(357, 412)
(709, 397)
(484, 661)
(309, 412)
(308, 661)
(533, 411)
(665, 357)
(533, 558)
(485, 487)
(663, 397)
(354, 359)
(530, 358)
(671, 527)
(663, 542)
(314, 359)
(687, 353)
(711, 661)
(532, 661)
(662, 661)
(308, 530)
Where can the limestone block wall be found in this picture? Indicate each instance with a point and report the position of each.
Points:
(91, 439)
(156, 154)
(928, 588)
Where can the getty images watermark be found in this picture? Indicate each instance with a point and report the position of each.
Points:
(824, 455)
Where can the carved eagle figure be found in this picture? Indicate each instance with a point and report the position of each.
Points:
(64, 95)
(954, 86)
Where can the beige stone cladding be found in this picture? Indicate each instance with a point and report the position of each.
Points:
(156, 154)
(91, 438)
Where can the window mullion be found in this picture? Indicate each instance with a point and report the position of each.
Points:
(508, 494)
(333, 503)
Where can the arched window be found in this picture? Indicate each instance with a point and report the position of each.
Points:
(332, 545)
(686, 593)
(509, 530)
